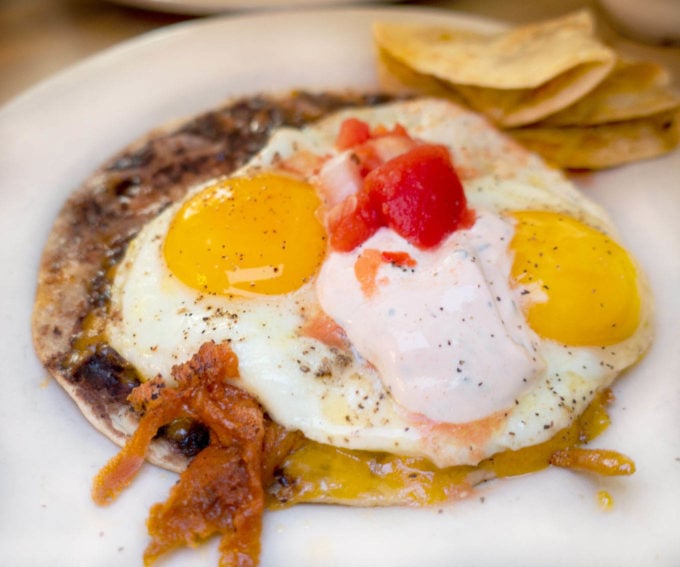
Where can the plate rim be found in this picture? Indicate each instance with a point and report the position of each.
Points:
(32, 96)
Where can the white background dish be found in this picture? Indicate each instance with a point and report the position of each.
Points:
(203, 7)
(658, 22)
(56, 134)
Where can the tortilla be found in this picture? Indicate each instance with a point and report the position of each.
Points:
(515, 77)
(91, 232)
(603, 145)
(90, 237)
(517, 107)
(398, 78)
(634, 89)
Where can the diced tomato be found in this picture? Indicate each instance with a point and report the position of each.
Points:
(352, 133)
(467, 219)
(366, 157)
(352, 222)
(396, 130)
(398, 258)
(339, 178)
(371, 148)
(368, 264)
(366, 270)
(421, 196)
(323, 328)
(418, 193)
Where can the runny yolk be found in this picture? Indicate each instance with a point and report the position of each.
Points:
(247, 235)
(588, 283)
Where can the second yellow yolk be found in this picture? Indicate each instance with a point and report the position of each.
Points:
(589, 281)
(247, 235)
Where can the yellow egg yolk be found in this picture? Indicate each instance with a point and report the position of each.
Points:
(247, 235)
(588, 281)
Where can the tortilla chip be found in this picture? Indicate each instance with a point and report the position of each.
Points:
(605, 145)
(523, 57)
(517, 107)
(515, 77)
(632, 90)
(396, 78)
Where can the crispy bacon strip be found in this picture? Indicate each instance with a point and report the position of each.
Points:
(600, 461)
(216, 494)
(119, 472)
(221, 492)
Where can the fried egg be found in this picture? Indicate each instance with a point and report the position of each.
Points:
(495, 339)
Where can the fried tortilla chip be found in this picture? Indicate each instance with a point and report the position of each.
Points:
(397, 78)
(634, 89)
(604, 145)
(515, 77)
(517, 107)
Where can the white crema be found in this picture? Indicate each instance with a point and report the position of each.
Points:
(447, 336)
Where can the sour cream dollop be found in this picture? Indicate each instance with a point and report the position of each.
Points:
(446, 335)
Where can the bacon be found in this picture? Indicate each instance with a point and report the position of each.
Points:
(221, 491)
(120, 471)
(216, 494)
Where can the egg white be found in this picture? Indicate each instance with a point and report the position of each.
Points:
(336, 398)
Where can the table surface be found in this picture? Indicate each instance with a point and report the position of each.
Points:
(41, 37)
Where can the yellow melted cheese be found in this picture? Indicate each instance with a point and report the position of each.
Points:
(322, 473)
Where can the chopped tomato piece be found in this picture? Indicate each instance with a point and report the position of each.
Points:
(352, 133)
(417, 194)
(352, 222)
(323, 328)
(397, 130)
(422, 198)
(366, 270)
(398, 258)
(366, 157)
(368, 264)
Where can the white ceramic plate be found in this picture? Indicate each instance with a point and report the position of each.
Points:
(56, 134)
(203, 7)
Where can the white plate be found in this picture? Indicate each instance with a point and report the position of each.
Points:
(56, 134)
(203, 7)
